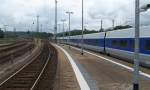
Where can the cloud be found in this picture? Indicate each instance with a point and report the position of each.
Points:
(22, 13)
(119, 10)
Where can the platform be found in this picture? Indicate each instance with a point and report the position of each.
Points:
(65, 76)
(106, 75)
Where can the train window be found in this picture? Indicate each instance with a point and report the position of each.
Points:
(123, 43)
(114, 43)
(132, 44)
(147, 44)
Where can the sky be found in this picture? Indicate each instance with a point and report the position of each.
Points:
(22, 13)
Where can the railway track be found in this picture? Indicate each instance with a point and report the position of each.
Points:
(47, 79)
(11, 46)
(29, 75)
(5, 44)
(14, 52)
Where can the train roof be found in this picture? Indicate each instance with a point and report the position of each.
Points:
(129, 33)
(95, 35)
(122, 33)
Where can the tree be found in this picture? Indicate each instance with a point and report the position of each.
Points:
(1, 33)
(76, 32)
(122, 27)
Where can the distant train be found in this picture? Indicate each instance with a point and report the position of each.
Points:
(118, 43)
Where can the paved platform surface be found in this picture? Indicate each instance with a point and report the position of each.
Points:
(65, 77)
(107, 76)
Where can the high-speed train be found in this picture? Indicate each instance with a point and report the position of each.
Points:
(118, 43)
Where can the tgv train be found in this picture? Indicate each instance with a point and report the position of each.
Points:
(118, 43)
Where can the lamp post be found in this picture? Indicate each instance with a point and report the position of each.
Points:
(82, 28)
(69, 13)
(41, 28)
(58, 31)
(113, 23)
(63, 21)
(137, 35)
(55, 22)
(101, 26)
(59, 28)
(37, 24)
(14, 29)
(136, 51)
(37, 27)
(32, 30)
(5, 26)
